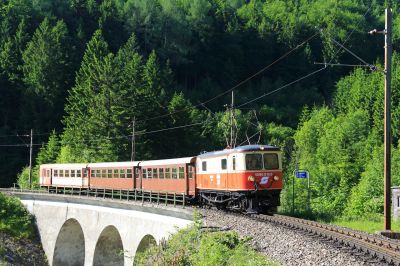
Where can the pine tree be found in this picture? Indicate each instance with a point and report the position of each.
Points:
(46, 74)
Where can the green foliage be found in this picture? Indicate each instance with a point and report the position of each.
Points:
(195, 246)
(14, 218)
(23, 178)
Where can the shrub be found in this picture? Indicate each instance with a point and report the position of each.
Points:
(14, 218)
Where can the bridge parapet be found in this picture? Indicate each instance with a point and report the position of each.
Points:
(99, 231)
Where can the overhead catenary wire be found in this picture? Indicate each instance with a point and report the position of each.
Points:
(309, 74)
(237, 85)
(213, 98)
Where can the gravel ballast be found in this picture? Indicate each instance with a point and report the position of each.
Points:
(283, 245)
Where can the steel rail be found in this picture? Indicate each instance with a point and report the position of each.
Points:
(386, 249)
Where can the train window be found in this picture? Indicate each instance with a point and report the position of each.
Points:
(204, 166)
(85, 172)
(155, 173)
(233, 163)
(93, 173)
(161, 172)
(254, 161)
(174, 173)
(72, 173)
(167, 172)
(48, 173)
(149, 173)
(190, 171)
(129, 173)
(115, 173)
(271, 161)
(66, 173)
(98, 173)
(104, 173)
(181, 172)
(61, 173)
(122, 173)
(144, 173)
(78, 173)
(55, 173)
(223, 164)
(109, 173)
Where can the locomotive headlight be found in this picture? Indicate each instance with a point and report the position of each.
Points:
(276, 178)
(251, 178)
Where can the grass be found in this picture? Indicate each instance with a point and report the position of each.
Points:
(366, 225)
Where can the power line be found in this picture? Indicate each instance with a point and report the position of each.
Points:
(312, 73)
(282, 87)
(20, 145)
(239, 84)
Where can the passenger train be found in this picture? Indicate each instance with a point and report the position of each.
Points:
(247, 178)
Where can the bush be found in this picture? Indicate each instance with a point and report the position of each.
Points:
(14, 218)
(23, 177)
(194, 246)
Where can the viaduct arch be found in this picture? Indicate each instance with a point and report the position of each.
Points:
(78, 231)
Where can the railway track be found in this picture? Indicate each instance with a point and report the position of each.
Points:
(378, 247)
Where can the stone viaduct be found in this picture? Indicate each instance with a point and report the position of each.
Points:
(85, 231)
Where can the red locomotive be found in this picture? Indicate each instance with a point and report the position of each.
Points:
(245, 178)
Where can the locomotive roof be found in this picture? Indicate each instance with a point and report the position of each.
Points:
(245, 148)
(167, 161)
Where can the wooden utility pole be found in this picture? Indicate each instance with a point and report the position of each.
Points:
(388, 139)
(30, 160)
(133, 144)
(387, 118)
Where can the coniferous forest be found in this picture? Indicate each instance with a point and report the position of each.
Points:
(81, 72)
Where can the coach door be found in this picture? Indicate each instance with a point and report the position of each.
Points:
(137, 182)
(190, 179)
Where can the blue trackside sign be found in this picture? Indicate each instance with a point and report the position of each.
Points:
(301, 174)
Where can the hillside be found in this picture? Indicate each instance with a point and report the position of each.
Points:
(81, 73)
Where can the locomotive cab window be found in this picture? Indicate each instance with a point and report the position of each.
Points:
(204, 166)
(254, 161)
(271, 161)
(223, 164)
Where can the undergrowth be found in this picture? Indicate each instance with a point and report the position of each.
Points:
(15, 219)
(197, 246)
